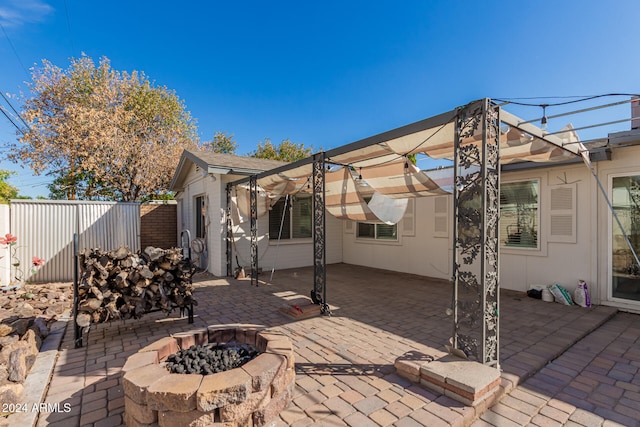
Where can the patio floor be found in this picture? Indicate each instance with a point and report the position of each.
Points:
(344, 363)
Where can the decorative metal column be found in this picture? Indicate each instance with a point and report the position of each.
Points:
(253, 201)
(476, 211)
(319, 292)
(229, 233)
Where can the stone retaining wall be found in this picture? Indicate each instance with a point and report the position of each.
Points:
(252, 394)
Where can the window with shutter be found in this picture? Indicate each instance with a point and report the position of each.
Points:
(291, 218)
(562, 213)
(409, 219)
(441, 217)
(519, 214)
(348, 227)
(374, 231)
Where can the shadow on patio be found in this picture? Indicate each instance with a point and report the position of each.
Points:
(344, 363)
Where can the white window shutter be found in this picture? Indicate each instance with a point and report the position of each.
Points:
(409, 219)
(348, 226)
(441, 217)
(562, 213)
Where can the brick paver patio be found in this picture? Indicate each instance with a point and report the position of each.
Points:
(595, 383)
(344, 363)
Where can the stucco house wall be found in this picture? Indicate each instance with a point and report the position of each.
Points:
(419, 248)
(424, 244)
(556, 262)
(586, 256)
(288, 253)
(285, 254)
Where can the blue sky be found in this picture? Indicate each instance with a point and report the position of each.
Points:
(328, 73)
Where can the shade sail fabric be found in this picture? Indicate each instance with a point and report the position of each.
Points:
(243, 204)
(381, 162)
(368, 156)
(343, 200)
(400, 180)
(438, 140)
(442, 177)
(515, 145)
(288, 182)
(438, 143)
(390, 211)
(277, 185)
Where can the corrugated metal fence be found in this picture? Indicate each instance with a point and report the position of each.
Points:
(45, 229)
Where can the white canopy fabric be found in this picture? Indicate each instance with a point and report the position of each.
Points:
(241, 202)
(390, 211)
(277, 185)
(400, 179)
(383, 166)
(343, 200)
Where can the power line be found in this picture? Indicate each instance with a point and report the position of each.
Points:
(66, 10)
(581, 99)
(10, 119)
(13, 108)
(15, 52)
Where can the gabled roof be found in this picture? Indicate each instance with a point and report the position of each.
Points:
(218, 163)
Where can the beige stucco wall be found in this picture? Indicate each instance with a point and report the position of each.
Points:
(553, 262)
(198, 185)
(588, 258)
(417, 253)
(288, 253)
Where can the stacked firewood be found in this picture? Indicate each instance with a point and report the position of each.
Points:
(121, 284)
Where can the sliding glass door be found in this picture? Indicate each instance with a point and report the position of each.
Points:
(625, 272)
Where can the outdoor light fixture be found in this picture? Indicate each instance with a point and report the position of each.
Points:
(543, 121)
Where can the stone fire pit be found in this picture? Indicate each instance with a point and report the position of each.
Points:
(252, 394)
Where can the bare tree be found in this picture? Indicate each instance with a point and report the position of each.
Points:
(102, 133)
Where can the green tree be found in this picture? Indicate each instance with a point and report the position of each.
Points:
(221, 143)
(102, 133)
(7, 191)
(286, 151)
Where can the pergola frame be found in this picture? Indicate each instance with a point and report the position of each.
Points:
(476, 201)
(319, 293)
(475, 300)
(253, 220)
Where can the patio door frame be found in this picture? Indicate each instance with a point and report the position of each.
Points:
(609, 227)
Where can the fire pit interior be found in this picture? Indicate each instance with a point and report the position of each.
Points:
(237, 375)
(210, 358)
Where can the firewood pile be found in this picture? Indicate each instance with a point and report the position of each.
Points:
(121, 284)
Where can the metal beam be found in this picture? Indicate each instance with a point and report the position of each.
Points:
(319, 292)
(409, 129)
(277, 170)
(476, 211)
(253, 201)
